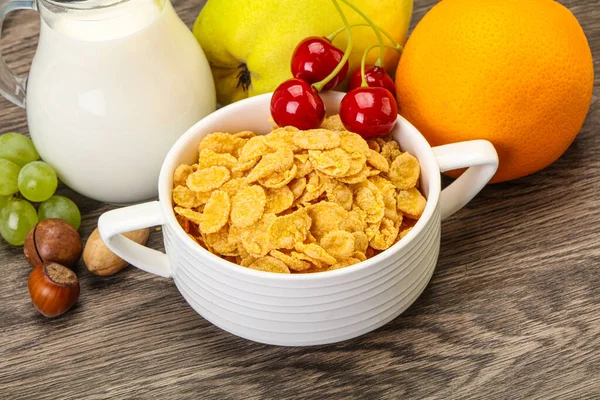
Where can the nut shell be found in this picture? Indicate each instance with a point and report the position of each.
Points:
(29, 249)
(98, 258)
(53, 240)
(54, 289)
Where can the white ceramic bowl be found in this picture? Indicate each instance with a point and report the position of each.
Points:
(303, 309)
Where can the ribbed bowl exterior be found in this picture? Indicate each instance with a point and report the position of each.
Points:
(309, 312)
(300, 309)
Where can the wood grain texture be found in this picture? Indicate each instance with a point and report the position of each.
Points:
(512, 312)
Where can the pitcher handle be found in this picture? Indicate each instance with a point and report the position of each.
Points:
(481, 158)
(112, 223)
(13, 87)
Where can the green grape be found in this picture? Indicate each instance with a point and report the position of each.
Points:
(17, 217)
(60, 207)
(37, 181)
(17, 148)
(9, 173)
(3, 200)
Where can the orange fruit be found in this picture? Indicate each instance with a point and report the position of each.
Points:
(518, 73)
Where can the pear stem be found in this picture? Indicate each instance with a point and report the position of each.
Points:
(364, 60)
(319, 85)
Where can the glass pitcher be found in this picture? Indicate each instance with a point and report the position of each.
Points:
(112, 85)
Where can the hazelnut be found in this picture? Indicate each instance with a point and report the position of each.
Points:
(54, 289)
(53, 240)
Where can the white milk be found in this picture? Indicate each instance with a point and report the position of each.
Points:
(110, 91)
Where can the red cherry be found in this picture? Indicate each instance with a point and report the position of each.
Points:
(295, 102)
(315, 58)
(370, 111)
(375, 76)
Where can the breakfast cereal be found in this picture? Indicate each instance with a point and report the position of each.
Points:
(296, 201)
(404, 171)
(216, 212)
(248, 205)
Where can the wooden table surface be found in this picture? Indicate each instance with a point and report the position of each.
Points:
(512, 311)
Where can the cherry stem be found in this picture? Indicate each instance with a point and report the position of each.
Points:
(373, 26)
(333, 35)
(364, 59)
(319, 85)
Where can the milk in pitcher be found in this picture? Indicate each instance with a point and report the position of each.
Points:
(110, 91)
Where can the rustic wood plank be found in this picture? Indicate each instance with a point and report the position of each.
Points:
(513, 310)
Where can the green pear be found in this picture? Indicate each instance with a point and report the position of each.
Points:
(249, 44)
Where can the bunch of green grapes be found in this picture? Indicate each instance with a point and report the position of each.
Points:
(24, 179)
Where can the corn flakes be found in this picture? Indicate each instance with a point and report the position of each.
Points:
(282, 138)
(359, 255)
(205, 180)
(353, 143)
(316, 252)
(334, 162)
(247, 261)
(404, 171)
(191, 215)
(385, 237)
(279, 179)
(378, 161)
(289, 229)
(389, 149)
(292, 263)
(404, 233)
(184, 197)
(216, 212)
(271, 163)
(248, 206)
(219, 242)
(356, 178)
(304, 165)
(219, 142)
(340, 193)
(296, 201)
(180, 175)
(270, 264)
(361, 241)
(333, 123)
(246, 165)
(233, 186)
(297, 187)
(373, 145)
(317, 139)
(388, 192)
(279, 200)
(209, 158)
(411, 202)
(254, 148)
(354, 221)
(374, 172)
(370, 200)
(316, 265)
(344, 263)
(244, 135)
(372, 229)
(357, 163)
(314, 189)
(326, 217)
(255, 238)
(339, 244)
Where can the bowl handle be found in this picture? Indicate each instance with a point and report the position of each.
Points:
(481, 158)
(111, 224)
